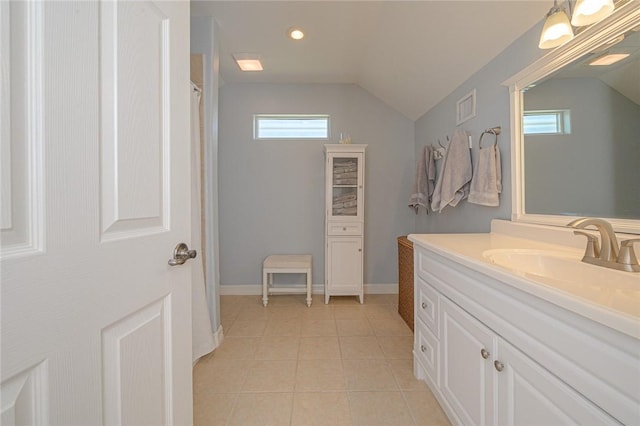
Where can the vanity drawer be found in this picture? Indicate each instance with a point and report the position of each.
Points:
(426, 350)
(344, 228)
(426, 306)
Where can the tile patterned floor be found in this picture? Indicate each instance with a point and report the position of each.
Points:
(338, 364)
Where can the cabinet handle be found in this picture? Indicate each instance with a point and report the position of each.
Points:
(498, 365)
(424, 305)
(423, 348)
(485, 354)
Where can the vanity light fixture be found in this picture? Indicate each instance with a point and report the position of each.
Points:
(588, 12)
(248, 62)
(557, 28)
(609, 59)
(295, 33)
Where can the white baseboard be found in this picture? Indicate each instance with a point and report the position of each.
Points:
(256, 289)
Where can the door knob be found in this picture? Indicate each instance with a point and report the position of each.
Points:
(181, 254)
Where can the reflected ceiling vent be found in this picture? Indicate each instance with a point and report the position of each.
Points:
(609, 59)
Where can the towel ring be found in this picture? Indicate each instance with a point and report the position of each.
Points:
(495, 131)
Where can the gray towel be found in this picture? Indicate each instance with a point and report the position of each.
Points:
(455, 176)
(425, 180)
(487, 178)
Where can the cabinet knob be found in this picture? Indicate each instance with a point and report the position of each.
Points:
(344, 228)
(424, 305)
(485, 354)
(498, 365)
(359, 249)
(423, 348)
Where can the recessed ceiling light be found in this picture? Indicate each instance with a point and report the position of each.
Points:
(609, 59)
(295, 33)
(248, 62)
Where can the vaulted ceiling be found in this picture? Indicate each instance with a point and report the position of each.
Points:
(409, 54)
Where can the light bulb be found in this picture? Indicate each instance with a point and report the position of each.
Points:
(556, 30)
(591, 11)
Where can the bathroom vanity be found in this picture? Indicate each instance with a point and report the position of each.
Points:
(512, 328)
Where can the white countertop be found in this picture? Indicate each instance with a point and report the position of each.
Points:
(614, 305)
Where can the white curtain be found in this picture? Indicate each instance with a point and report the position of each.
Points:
(203, 342)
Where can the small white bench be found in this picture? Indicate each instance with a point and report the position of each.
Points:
(285, 264)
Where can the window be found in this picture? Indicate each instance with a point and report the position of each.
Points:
(552, 122)
(290, 126)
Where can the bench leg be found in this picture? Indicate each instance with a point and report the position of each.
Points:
(265, 290)
(308, 287)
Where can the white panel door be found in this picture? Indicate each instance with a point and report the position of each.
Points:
(344, 265)
(530, 395)
(467, 377)
(96, 326)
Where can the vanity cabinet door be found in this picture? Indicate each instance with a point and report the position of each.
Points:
(467, 377)
(528, 394)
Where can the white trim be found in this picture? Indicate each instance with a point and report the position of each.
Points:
(256, 289)
(621, 21)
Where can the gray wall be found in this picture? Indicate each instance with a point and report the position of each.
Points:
(272, 192)
(492, 107)
(597, 163)
(593, 171)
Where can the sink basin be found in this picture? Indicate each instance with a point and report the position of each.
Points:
(545, 263)
(566, 271)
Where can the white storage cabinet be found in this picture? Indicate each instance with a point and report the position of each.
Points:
(344, 220)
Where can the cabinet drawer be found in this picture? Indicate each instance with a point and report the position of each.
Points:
(344, 228)
(426, 349)
(427, 305)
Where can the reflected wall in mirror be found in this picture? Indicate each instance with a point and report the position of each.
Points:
(581, 129)
(576, 128)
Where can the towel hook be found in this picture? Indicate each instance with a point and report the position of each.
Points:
(495, 131)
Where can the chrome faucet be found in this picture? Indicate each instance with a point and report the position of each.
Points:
(608, 253)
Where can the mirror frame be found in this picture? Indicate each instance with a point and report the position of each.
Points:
(623, 19)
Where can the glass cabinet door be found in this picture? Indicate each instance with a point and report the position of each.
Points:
(345, 179)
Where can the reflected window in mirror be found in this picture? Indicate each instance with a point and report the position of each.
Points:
(554, 122)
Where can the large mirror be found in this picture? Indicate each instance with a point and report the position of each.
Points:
(576, 124)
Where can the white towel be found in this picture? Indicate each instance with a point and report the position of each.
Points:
(455, 176)
(487, 178)
(425, 180)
